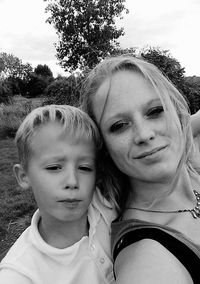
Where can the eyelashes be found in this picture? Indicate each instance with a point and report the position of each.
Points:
(156, 111)
(119, 126)
(86, 168)
(54, 168)
(57, 168)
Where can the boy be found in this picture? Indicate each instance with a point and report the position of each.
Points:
(68, 240)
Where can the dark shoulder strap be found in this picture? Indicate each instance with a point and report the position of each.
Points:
(181, 251)
(3, 254)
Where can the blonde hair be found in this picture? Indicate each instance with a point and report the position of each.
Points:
(172, 100)
(75, 122)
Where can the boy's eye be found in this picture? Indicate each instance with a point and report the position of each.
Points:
(155, 112)
(118, 126)
(86, 168)
(53, 168)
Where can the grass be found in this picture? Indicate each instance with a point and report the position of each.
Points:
(12, 115)
(16, 205)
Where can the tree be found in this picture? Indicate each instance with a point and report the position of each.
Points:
(14, 73)
(193, 84)
(169, 66)
(64, 90)
(5, 92)
(43, 70)
(86, 29)
(12, 66)
(172, 69)
(36, 85)
(38, 81)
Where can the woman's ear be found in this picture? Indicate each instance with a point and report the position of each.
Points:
(21, 176)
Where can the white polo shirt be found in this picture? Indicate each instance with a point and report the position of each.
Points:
(32, 260)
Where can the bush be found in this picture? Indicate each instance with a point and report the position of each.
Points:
(36, 85)
(11, 117)
(5, 92)
(64, 91)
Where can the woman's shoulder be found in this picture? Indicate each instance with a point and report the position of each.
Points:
(147, 261)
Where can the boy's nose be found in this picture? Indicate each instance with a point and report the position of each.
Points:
(71, 180)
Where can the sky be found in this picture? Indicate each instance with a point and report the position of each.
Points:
(172, 25)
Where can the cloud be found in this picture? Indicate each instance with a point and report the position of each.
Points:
(29, 46)
(172, 25)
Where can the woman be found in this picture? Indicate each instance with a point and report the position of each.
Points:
(148, 164)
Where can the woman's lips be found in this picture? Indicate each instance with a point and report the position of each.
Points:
(150, 152)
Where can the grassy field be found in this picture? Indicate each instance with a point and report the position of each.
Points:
(16, 205)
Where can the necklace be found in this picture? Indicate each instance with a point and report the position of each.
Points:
(194, 211)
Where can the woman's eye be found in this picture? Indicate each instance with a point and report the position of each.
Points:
(53, 168)
(120, 125)
(155, 112)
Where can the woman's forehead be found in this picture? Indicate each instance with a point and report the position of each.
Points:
(126, 88)
(99, 101)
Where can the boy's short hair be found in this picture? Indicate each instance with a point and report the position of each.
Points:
(75, 122)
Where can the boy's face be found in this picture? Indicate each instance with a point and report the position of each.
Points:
(61, 173)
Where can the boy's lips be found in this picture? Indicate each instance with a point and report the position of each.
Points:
(70, 202)
(150, 152)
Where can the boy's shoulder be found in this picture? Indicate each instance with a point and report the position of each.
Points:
(23, 247)
(19, 249)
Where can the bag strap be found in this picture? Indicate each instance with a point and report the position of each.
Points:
(180, 250)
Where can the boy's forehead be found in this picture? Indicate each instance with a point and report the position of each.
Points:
(53, 131)
(62, 147)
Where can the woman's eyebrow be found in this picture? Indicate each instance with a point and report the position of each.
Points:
(126, 113)
(155, 100)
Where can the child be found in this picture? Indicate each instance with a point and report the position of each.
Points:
(68, 240)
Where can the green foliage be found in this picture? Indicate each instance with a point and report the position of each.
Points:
(12, 115)
(131, 51)
(86, 29)
(43, 70)
(193, 92)
(16, 205)
(38, 81)
(12, 66)
(64, 90)
(5, 92)
(194, 81)
(36, 85)
(20, 203)
(169, 66)
(14, 73)
(172, 69)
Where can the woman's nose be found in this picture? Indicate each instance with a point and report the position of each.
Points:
(71, 179)
(143, 133)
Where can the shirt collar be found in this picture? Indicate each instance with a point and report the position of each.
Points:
(103, 207)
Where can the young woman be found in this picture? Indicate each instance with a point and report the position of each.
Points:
(150, 171)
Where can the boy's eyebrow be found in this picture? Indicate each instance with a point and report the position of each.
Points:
(62, 159)
(92, 158)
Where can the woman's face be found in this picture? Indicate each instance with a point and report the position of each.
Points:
(134, 127)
